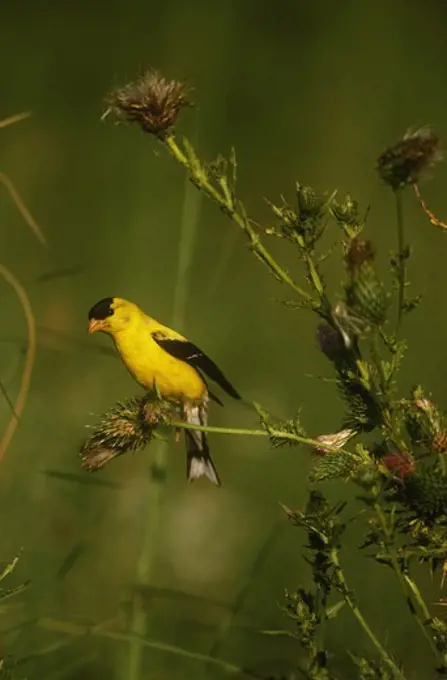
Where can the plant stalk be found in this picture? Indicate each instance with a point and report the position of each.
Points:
(343, 586)
(199, 179)
(409, 588)
(400, 255)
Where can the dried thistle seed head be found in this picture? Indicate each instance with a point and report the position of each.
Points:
(95, 456)
(128, 426)
(360, 252)
(123, 428)
(152, 101)
(158, 412)
(405, 162)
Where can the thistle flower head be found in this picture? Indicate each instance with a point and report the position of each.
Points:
(152, 101)
(128, 426)
(360, 252)
(399, 464)
(405, 162)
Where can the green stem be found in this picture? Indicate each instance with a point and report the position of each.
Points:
(200, 180)
(409, 588)
(417, 596)
(360, 618)
(400, 255)
(188, 235)
(271, 432)
(151, 522)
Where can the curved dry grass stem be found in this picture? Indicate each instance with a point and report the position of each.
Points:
(431, 216)
(21, 207)
(15, 118)
(29, 359)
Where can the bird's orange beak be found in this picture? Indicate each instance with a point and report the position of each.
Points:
(95, 325)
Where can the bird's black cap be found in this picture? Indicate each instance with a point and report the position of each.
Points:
(102, 309)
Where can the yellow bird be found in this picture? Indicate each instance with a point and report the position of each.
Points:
(160, 359)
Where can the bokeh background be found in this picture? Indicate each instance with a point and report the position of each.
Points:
(308, 91)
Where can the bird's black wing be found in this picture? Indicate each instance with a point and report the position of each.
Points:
(192, 355)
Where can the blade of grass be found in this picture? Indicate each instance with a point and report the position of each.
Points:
(15, 118)
(229, 617)
(81, 479)
(21, 207)
(192, 203)
(138, 623)
(29, 359)
(70, 560)
(74, 629)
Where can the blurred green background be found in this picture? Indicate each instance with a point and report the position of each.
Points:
(308, 91)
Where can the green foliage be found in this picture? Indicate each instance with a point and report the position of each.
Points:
(425, 493)
(335, 465)
(279, 431)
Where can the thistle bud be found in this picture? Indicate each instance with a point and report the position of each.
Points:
(310, 204)
(426, 493)
(365, 293)
(348, 217)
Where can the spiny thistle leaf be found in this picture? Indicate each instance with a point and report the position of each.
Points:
(363, 412)
(275, 428)
(372, 670)
(335, 465)
(332, 612)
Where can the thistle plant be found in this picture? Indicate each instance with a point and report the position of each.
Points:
(400, 467)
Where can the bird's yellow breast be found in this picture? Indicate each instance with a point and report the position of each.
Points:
(151, 365)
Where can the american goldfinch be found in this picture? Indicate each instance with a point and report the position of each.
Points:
(160, 359)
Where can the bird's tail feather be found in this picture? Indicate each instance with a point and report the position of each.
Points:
(199, 461)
